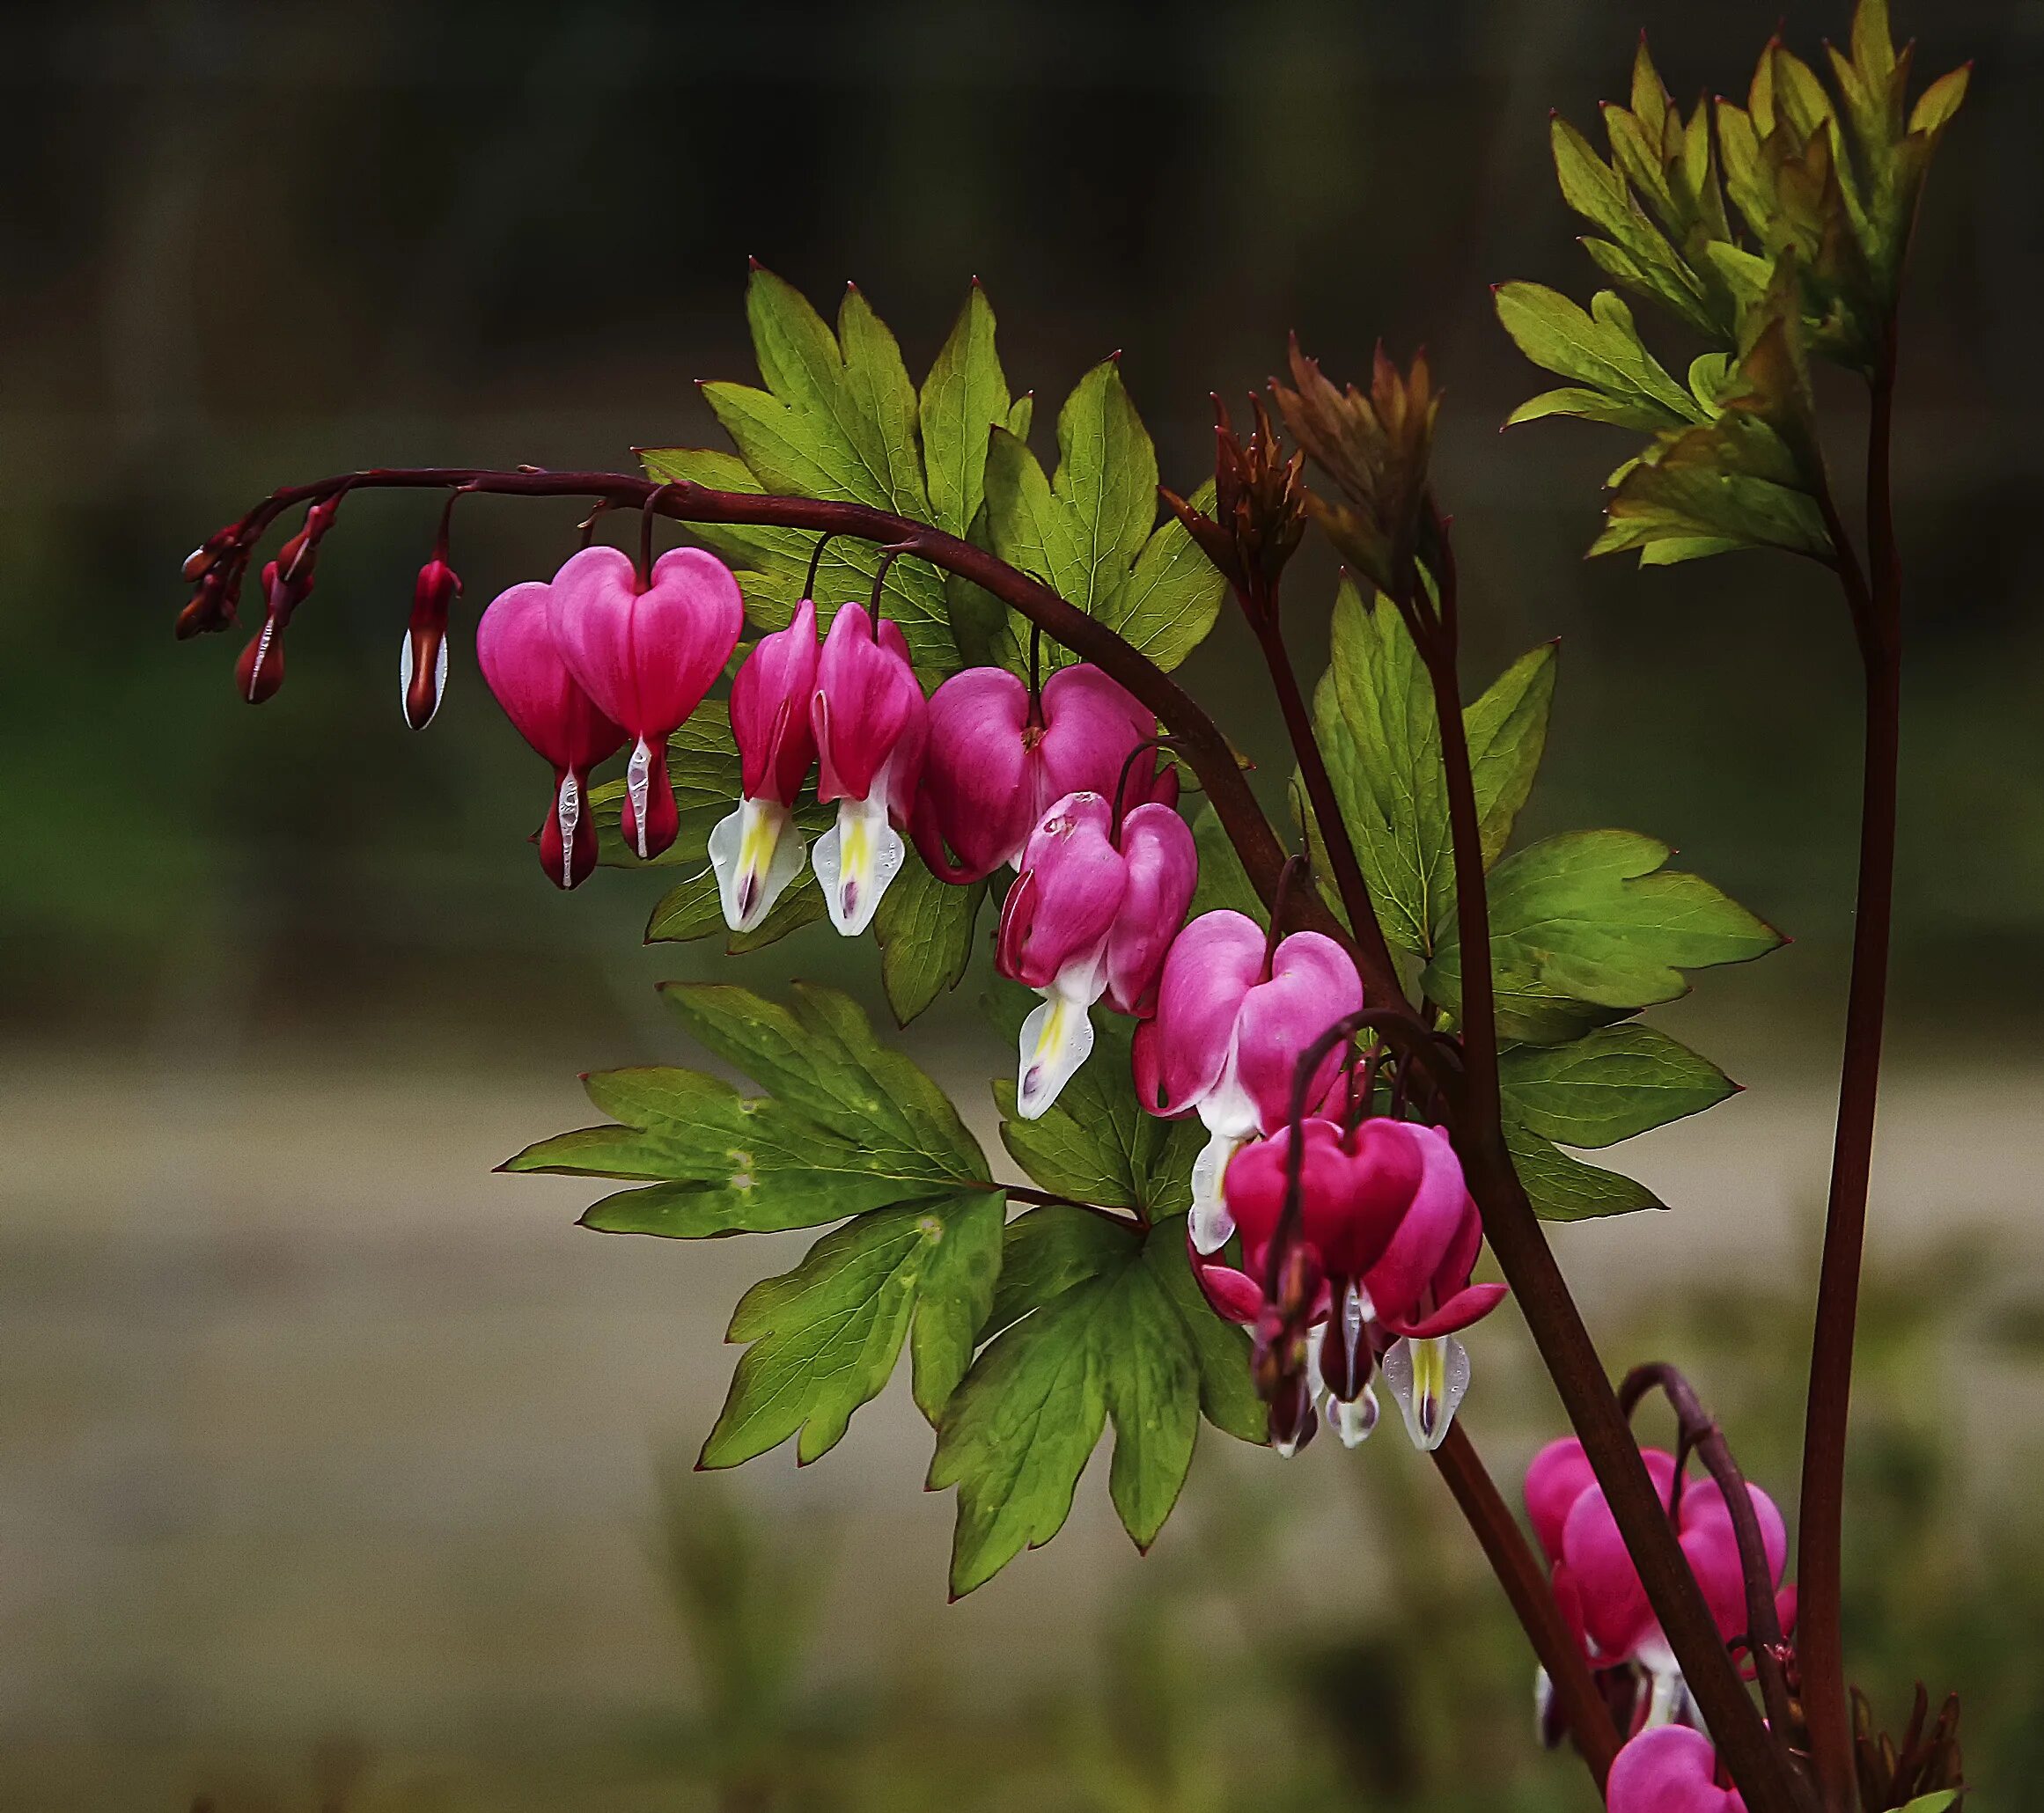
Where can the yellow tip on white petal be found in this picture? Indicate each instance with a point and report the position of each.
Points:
(855, 860)
(1429, 1379)
(1056, 1040)
(757, 854)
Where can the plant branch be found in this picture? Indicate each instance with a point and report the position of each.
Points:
(1875, 602)
(1558, 1332)
(1372, 954)
(1200, 741)
(1525, 1585)
(1700, 1432)
(1050, 1199)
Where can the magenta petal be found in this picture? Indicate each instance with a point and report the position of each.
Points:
(1163, 868)
(1704, 1505)
(1670, 1769)
(1400, 1281)
(977, 790)
(646, 657)
(1557, 1476)
(523, 666)
(1212, 965)
(1091, 725)
(770, 710)
(1471, 1303)
(1063, 903)
(868, 710)
(1312, 984)
(1234, 1296)
(1615, 1611)
(1255, 1187)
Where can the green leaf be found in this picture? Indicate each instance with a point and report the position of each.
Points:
(1107, 1325)
(926, 928)
(1087, 533)
(838, 419)
(846, 1128)
(964, 395)
(1375, 720)
(1586, 927)
(1224, 883)
(1096, 1143)
(1564, 1189)
(1938, 1802)
(824, 1337)
(1600, 351)
(1607, 1086)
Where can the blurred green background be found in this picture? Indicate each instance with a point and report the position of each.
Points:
(335, 1471)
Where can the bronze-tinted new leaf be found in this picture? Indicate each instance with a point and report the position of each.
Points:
(1376, 449)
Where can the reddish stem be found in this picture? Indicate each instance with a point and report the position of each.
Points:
(1876, 620)
(1564, 1344)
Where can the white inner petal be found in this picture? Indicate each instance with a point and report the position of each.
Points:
(757, 853)
(1056, 1038)
(1429, 1379)
(857, 858)
(638, 780)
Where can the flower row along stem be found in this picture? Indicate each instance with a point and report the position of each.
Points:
(1514, 1232)
(1874, 599)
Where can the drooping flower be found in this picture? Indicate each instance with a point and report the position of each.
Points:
(1669, 1769)
(646, 654)
(422, 661)
(524, 668)
(1233, 1018)
(1596, 1585)
(998, 759)
(1092, 914)
(1386, 1225)
(871, 722)
(757, 852)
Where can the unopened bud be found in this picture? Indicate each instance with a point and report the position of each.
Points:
(422, 661)
(259, 671)
(199, 560)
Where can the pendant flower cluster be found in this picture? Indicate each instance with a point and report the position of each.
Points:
(1371, 1269)
(1599, 1592)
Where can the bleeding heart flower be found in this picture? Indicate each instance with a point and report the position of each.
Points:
(1594, 1577)
(998, 759)
(1386, 1222)
(514, 644)
(646, 654)
(757, 852)
(1091, 913)
(871, 722)
(1669, 1769)
(1233, 1018)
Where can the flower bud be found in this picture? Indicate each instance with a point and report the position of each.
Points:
(422, 661)
(1669, 1769)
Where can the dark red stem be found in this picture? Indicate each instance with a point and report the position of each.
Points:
(1525, 1585)
(1372, 954)
(1514, 1232)
(1876, 610)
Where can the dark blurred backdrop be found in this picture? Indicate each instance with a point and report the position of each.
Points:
(250, 244)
